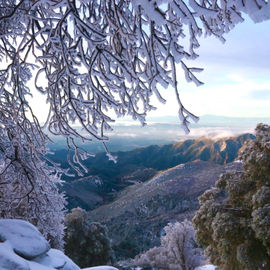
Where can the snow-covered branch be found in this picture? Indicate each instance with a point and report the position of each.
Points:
(100, 57)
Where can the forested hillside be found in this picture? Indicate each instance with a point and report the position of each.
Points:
(136, 218)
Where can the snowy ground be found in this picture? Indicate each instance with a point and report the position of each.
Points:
(104, 267)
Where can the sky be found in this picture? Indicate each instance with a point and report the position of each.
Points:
(236, 76)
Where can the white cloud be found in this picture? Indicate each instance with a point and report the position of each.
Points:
(124, 134)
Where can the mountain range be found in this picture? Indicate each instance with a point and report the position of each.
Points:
(105, 178)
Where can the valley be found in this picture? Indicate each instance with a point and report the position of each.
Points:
(135, 219)
(106, 178)
(149, 187)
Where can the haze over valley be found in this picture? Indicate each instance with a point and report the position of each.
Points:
(129, 135)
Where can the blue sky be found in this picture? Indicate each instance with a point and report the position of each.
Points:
(236, 75)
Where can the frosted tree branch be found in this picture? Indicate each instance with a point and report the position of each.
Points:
(97, 60)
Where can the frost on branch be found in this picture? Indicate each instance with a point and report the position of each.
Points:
(178, 249)
(27, 183)
(94, 58)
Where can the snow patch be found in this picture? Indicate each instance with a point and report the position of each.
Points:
(103, 267)
(23, 237)
(56, 259)
(206, 267)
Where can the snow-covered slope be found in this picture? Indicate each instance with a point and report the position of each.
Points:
(139, 213)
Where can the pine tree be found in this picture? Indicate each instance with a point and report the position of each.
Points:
(233, 221)
(86, 242)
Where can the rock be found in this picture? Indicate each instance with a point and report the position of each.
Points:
(22, 247)
(24, 238)
(56, 259)
(9, 260)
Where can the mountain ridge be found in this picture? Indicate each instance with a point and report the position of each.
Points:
(141, 164)
(135, 219)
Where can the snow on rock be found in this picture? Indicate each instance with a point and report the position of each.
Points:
(103, 267)
(37, 266)
(206, 267)
(10, 260)
(22, 247)
(24, 238)
(56, 259)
